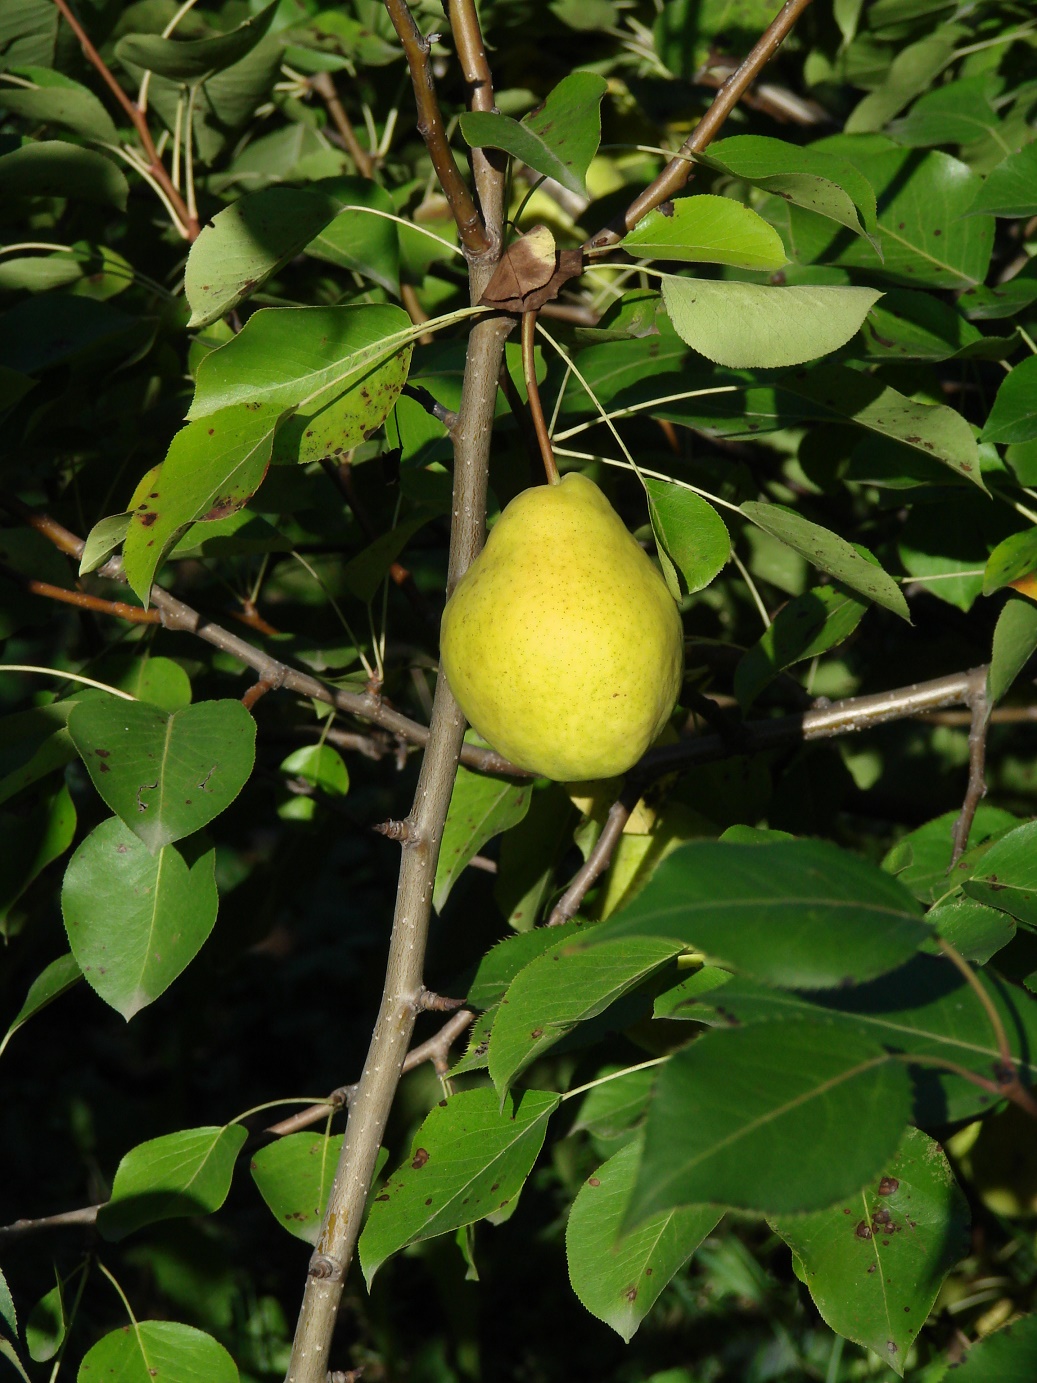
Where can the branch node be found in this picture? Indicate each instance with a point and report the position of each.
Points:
(430, 1002)
(402, 831)
(324, 1268)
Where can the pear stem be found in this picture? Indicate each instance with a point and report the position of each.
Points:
(529, 326)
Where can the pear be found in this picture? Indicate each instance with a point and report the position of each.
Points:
(561, 643)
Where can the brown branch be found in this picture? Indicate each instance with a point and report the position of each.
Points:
(258, 688)
(323, 84)
(85, 1215)
(474, 237)
(189, 225)
(529, 370)
(175, 614)
(853, 714)
(487, 164)
(677, 172)
(117, 608)
(979, 710)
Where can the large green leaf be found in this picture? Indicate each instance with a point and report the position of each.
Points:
(294, 1177)
(907, 325)
(749, 324)
(1006, 875)
(146, 1350)
(830, 553)
(827, 185)
(619, 1277)
(134, 919)
(358, 238)
(468, 1160)
(165, 775)
(1013, 417)
(183, 1173)
(800, 913)
(925, 1008)
(558, 139)
(572, 982)
(706, 229)
(1011, 187)
(192, 60)
(481, 807)
(778, 1118)
(54, 99)
(54, 168)
(806, 627)
(211, 469)
(502, 962)
(247, 242)
(875, 1262)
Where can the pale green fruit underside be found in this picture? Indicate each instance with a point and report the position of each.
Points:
(561, 643)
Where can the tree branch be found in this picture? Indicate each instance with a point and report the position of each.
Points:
(175, 614)
(979, 710)
(487, 164)
(323, 84)
(474, 236)
(821, 722)
(189, 225)
(677, 172)
(404, 986)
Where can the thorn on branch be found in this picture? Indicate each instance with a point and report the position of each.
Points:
(430, 1002)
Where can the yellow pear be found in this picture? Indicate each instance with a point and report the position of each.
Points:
(561, 643)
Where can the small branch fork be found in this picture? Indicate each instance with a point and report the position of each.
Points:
(189, 225)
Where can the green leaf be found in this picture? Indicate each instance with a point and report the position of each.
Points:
(1016, 556)
(102, 540)
(53, 981)
(294, 1177)
(157, 680)
(502, 962)
(468, 1160)
(619, 1277)
(806, 627)
(365, 572)
(925, 237)
(147, 1350)
(830, 553)
(33, 744)
(912, 70)
(612, 1108)
(800, 913)
(165, 775)
(528, 854)
(46, 1326)
(211, 469)
(875, 1262)
(33, 838)
(8, 1314)
(976, 931)
(957, 113)
(192, 60)
(921, 860)
(558, 139)
(135, 920)
(320, 765)
(706, 229)
(55, 99)
(777, 1118)
(1003, 1357)
(748, 324)
(183, 1173)
(1006, 877)
(54, 168)
(481, 807)
(907, 325)
(1015, 638)
(821, 183)
(924, 1008)
(693, 541)
(685, 30)
(243, 245)
(1013, 417)
(1010, 187)
(572, 982)
(358, 238)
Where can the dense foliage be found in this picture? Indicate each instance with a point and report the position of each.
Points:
(765, 1089)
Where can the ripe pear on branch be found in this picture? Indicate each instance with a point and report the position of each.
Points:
(561, 643)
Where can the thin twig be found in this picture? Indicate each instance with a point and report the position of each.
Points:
(117, 608)
(596, 862)
(188, 224)
(676, 173)
(416, 48)
(323, 84)
(529, 371)
(85, 1215)
(979, 710)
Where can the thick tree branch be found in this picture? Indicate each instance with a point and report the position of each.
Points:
(474, 236)
(487, 164)
(677, 172)
(189, 225)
